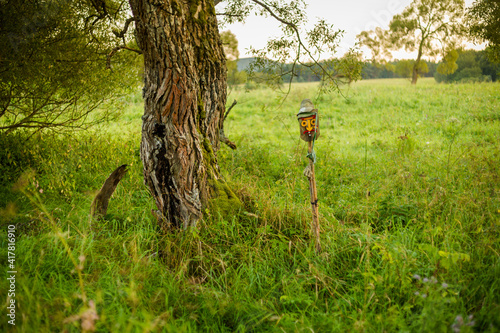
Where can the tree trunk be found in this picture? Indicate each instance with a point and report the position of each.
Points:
(417, 63)
(184, 102)
(415, 74)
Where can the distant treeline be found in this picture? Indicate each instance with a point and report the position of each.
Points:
(472, 66)
(395, 69)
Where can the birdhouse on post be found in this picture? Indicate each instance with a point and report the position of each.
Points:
(309, 132)
(308, 121)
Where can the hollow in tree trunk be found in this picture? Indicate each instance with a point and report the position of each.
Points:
(184, 100)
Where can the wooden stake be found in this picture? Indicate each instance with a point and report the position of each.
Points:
(309, 132)
(314, 200)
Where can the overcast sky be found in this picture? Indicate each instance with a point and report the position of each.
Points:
(352, 16)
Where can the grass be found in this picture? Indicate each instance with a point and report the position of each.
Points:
(408, 182)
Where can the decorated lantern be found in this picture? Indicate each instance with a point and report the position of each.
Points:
(308, 121)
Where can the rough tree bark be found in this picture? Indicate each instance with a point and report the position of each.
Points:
(184, 103)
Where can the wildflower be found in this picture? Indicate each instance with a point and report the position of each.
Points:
(416, 293)
(471, 322)
(424, 295)
(416, 277)
(88, 318)
(425, 280)
(457, 324)
(444, 285)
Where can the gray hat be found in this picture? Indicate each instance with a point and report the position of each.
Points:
(306, 106)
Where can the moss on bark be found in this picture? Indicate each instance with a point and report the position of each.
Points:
(223, 200)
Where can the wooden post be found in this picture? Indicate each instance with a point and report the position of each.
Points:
(314, 200)
(309, 132)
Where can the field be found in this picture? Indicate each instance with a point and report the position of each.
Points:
(409, 197)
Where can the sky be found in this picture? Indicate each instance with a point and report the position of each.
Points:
(352, 16)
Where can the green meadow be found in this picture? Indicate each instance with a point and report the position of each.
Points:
(408, 182)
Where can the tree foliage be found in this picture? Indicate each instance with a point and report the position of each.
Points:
(484, 24)
(430, 27)
(396, 69)
(283, 57)
(53, 57)
(404, 68)
(449, 64)
(230, 44)
(471, 66)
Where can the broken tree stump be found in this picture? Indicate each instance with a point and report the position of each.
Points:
(99, 206)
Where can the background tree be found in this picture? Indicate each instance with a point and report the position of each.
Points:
(484, 24)
(470, 66)
(230, 44)
(405, 68)
(53, 57)
(449, 63)
(375, 70)
(429, 27)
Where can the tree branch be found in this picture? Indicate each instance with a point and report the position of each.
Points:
(266, 7)
(101, 9)
(116, 49)
(228, 14)
(222, 135)
(229, 110)
(224, 139)
(299, 39)
(121, 34)
(8, 100)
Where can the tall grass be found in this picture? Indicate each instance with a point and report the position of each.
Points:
(408, 182)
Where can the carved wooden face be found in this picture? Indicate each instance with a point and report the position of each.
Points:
(308, 127)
